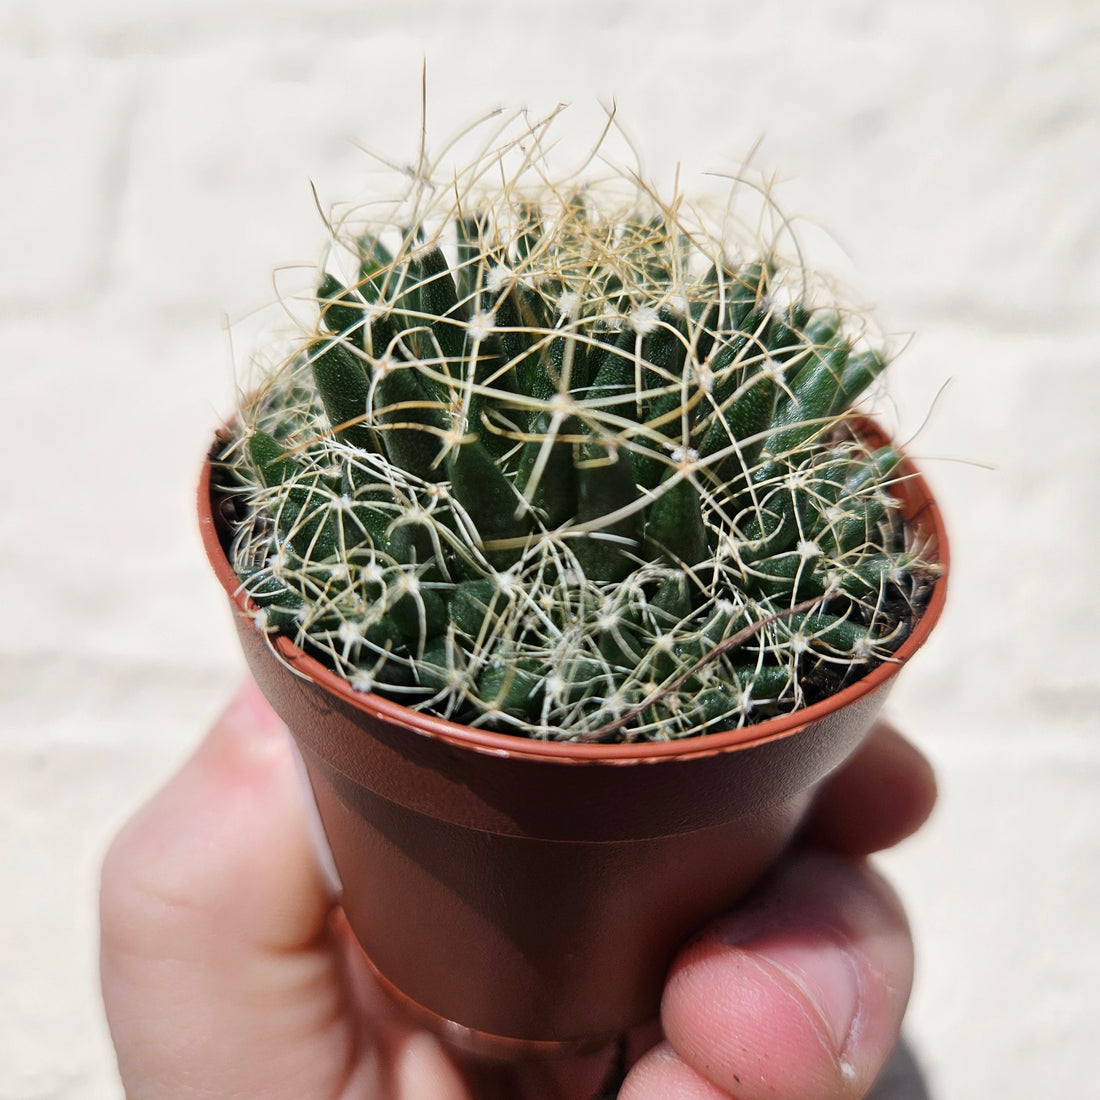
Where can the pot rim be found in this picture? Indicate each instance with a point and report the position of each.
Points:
(920, 507)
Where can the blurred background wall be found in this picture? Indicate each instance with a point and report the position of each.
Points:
(155, 168)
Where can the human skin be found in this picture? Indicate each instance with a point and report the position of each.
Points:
(229, 971)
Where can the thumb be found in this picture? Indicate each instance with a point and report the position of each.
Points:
(799, 993)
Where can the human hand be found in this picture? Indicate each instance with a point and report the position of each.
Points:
(228, 972)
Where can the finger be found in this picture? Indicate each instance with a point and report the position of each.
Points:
(663, 1074)
(800, 993)
(217, 972)
(884, 793)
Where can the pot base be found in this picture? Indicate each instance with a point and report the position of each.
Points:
(483, 1045)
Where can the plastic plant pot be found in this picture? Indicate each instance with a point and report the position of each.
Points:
(524, 898)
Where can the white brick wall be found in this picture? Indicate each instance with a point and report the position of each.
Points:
(154, 169)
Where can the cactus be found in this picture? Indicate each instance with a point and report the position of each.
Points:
(555, 461)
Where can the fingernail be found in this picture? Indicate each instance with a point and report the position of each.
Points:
(823, 968)
(326, 864)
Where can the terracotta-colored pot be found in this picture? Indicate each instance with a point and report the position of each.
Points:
(525, 897)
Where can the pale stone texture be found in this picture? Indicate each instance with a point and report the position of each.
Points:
(157, 167)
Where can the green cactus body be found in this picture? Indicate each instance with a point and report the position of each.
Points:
(345, 389)
(552, 463)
